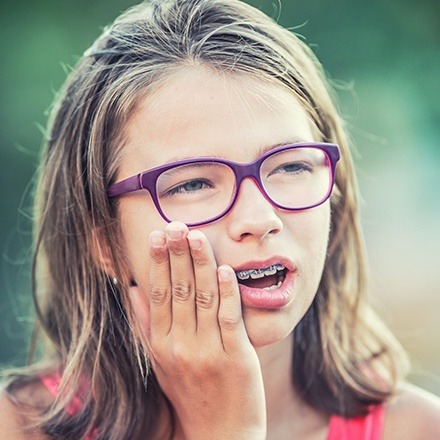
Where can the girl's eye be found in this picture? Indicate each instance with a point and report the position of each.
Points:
(293, 168)
(188, 187)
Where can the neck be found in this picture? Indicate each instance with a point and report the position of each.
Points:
(286, 411)
(276, 367)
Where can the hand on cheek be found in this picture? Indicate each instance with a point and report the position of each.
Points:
(198, 344)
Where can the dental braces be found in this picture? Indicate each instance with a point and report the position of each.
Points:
(259, 273)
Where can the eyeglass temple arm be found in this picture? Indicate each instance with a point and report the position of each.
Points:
(125, 186)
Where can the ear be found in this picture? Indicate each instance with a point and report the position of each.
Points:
(101, 253)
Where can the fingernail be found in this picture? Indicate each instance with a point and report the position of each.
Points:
(174, 234)
(157, 240)
(224, 273)
(195, 240)
(175, 230)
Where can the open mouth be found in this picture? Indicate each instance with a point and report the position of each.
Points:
(269, 278)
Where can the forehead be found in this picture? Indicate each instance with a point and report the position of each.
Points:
(197, 112)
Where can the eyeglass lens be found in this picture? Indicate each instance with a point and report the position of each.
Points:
(295, 178)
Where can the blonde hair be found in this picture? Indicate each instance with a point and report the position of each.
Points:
(341, 348)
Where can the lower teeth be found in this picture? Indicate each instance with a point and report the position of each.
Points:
(275, 286)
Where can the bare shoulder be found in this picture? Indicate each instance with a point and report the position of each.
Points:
(18, 411)
(412, 414)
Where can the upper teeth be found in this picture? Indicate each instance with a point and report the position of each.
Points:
(259, 273)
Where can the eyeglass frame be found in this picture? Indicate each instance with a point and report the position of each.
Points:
(148, 179)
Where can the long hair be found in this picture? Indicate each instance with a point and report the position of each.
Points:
(341, 349)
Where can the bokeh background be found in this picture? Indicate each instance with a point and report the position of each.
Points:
(383, 57)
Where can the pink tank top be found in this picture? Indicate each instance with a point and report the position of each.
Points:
(368, 427)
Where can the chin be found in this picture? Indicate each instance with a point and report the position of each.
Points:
(266, 330)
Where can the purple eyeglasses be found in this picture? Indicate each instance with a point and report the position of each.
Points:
(199, 191)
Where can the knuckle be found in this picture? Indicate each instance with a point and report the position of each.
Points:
(205, 299)
(158, 256)
(201, 262)
(178, 251)
(227, 293)
(180, 357)
(181, 291)
(158, 295)
(229, 322)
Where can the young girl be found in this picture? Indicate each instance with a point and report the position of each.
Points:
(199, 269)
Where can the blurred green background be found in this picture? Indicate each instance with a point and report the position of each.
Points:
(383, 57)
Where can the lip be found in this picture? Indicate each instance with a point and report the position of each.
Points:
(261, 264)
(268, 299)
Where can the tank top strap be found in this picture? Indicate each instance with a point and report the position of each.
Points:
(368, 427)
(52, 383)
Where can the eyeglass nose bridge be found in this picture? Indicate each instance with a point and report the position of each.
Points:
(243, 170)
(248, 170)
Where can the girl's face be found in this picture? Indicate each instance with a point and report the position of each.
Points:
(197, 113)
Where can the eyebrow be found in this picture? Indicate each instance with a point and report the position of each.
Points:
(178, 170)
(268, 148)
(261, 151)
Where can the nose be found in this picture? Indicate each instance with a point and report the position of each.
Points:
(252, 215)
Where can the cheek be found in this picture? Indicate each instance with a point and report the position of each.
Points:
(310, 233)
(141, 308)
(317, 232)
(138, 219)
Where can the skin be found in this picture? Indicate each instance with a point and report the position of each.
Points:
(224, 366)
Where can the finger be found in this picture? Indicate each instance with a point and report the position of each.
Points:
(233, 332)
(160, 286)
(206, 285)
(182, 279)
